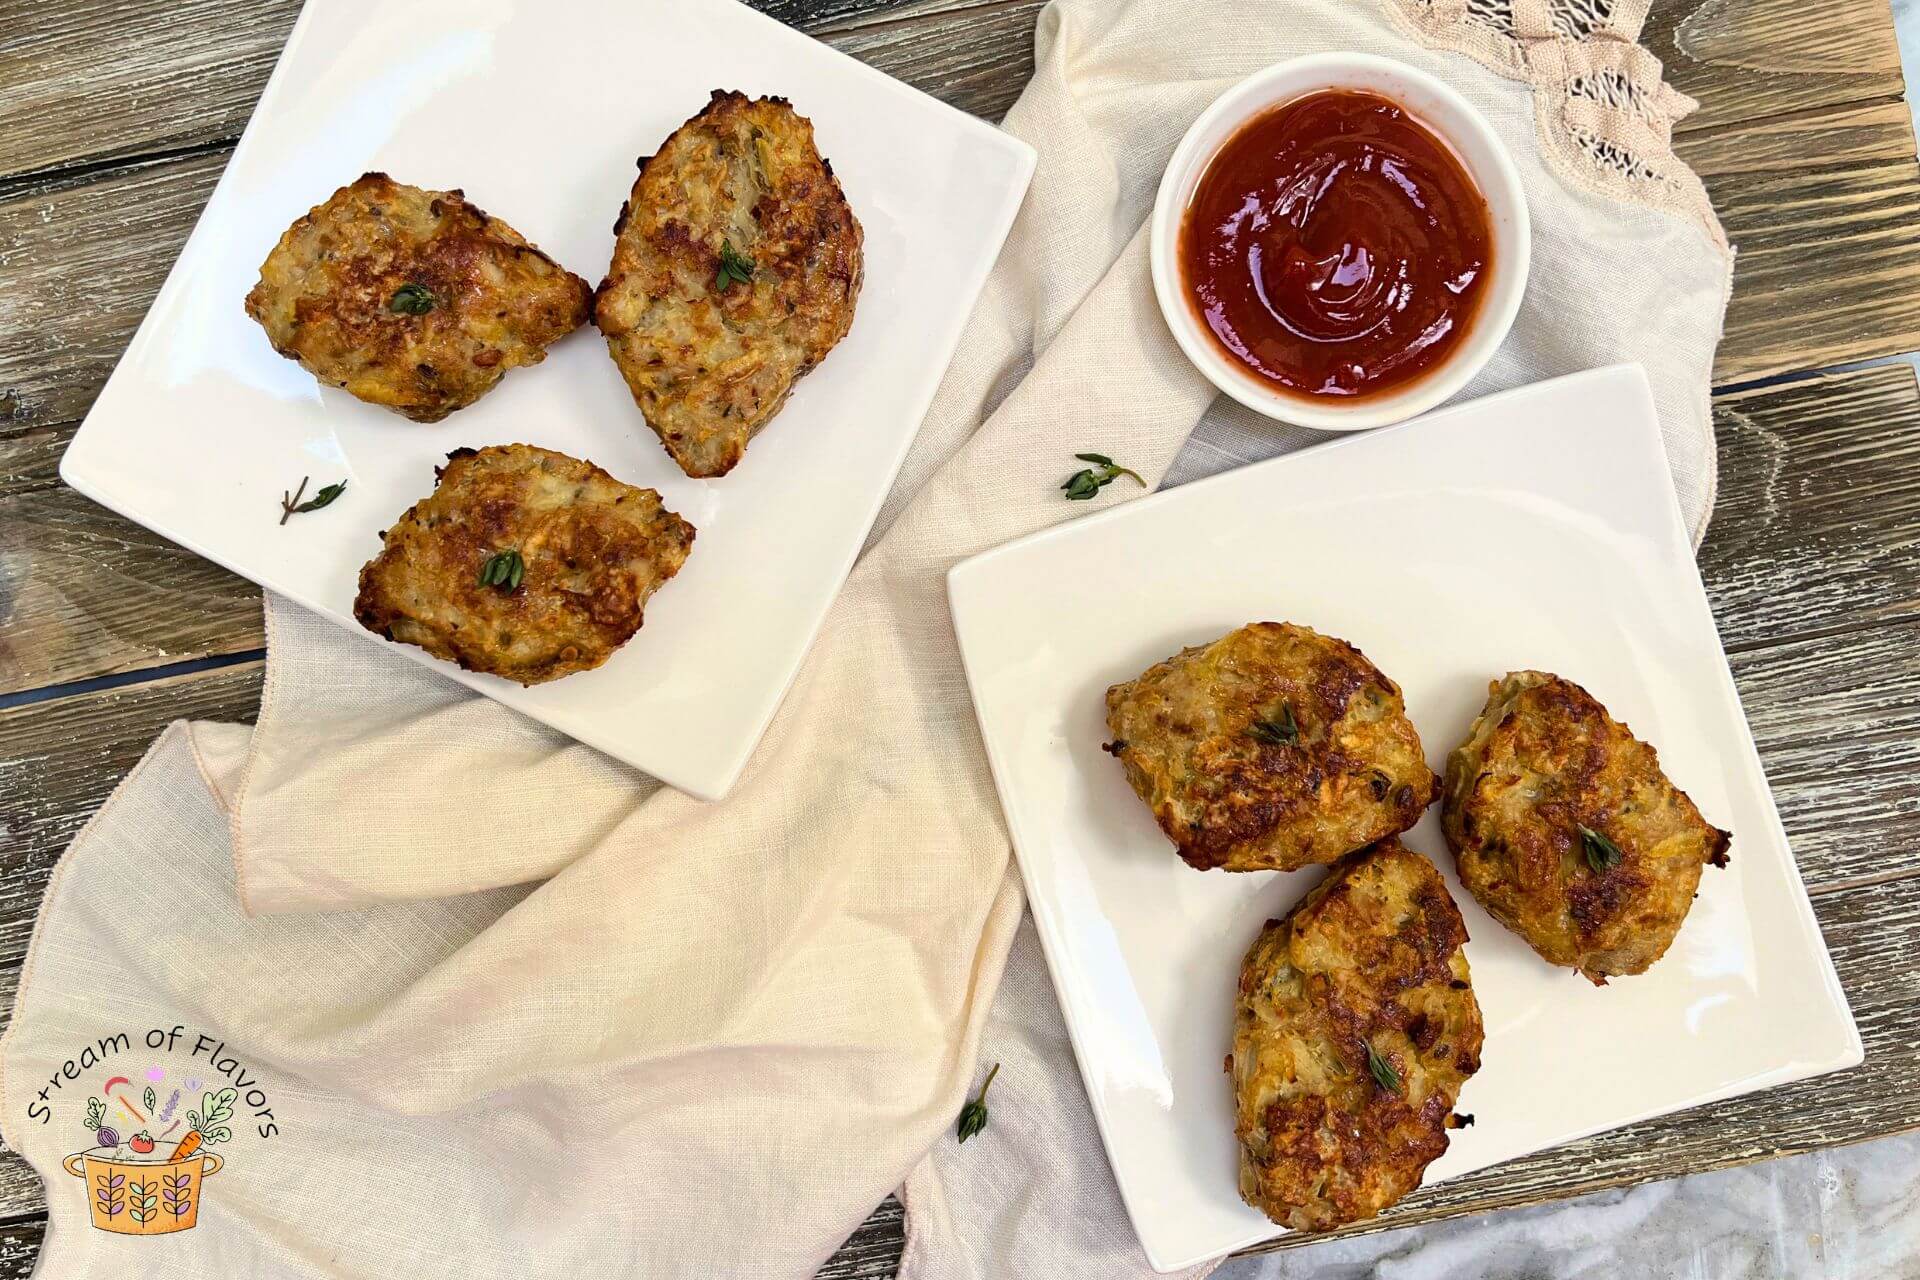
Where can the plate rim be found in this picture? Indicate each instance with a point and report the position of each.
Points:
(960, 577)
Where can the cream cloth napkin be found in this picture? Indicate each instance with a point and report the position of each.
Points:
(712, 1037)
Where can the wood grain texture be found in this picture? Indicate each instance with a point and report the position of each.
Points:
(1817, 529)
(1824, 209)
(1748, 59)
(20, 1245)
(1836, 716)
(1817, 521)
(123, 82)
(84, 593)
(64, 757)
(1830, 249)
(873, 1251)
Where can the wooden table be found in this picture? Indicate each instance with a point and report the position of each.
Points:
(116, 117)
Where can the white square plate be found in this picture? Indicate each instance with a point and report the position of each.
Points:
(1537, 528)
(538, 111)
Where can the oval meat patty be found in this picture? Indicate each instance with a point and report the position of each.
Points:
(1567, 832)
(590, 551)
(736, 265)
(414, 300)
(1272, 748)
(1356, 1028)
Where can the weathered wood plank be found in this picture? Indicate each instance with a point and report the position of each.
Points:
(1817, 529)
(85, 593)
(127, 78)
(20, 1243)
(1824, 208)
(124, 83)
(65, 756)
(873, 1251)
(186, 72)
(1830, 249)
(79, 266)
(1750, 59)
(1817, 523)
(1837, 718)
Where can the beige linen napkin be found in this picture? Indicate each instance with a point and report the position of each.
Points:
(714, 1036)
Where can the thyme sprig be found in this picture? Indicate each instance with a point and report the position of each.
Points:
(1082, 485)
(291, 506)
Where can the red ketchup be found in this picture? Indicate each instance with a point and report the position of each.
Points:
(1336, 246)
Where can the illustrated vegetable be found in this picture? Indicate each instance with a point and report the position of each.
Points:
(107, 1136)
(96, 1113)
(141, 1142)
(148, 1098)
(209, 1124)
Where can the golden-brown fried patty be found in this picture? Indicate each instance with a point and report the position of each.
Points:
(412, 299)
(708, 356)
(590, 549)
(1567, 831)
(1356, 1028)
(1272, 747)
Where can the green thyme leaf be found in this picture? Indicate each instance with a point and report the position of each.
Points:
(735, 267)
(290, 504)
(503, 569)
(973, 1116)
(1283, 730)
(1602, 853)
(1082, 485)
(412, 300)
(1382, 1071)
(322, 498)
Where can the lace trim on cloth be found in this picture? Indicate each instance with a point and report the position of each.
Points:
(1604, 113)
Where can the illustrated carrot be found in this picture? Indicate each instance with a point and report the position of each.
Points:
(188, 1145)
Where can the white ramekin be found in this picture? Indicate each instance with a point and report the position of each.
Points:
(1447, 114)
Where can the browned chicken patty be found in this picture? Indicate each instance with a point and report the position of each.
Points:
(1272, 748)
(523, 562)
(1356, 1028)
(736, 265)
(1567, 831)
(414, 300)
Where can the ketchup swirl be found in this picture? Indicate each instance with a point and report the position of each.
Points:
(1336, 246)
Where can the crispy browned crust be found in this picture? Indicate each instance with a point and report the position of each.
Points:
(1370, 959)
(594, 551)
(1543, 760)
(707, 366)
(325, 292)
(1186, 730)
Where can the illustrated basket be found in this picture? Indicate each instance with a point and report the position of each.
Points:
(142, 1195)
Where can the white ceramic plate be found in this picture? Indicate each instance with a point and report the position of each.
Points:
(538, 111)
(1537, 528)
